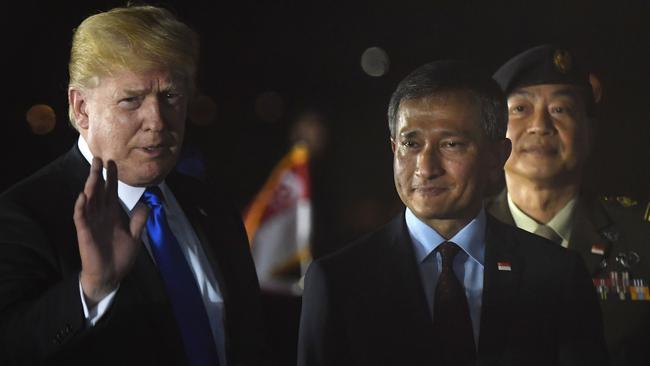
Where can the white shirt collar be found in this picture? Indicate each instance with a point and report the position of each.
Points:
(129, 195)
(561, 223)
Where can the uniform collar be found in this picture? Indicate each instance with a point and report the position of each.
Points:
(561, 223)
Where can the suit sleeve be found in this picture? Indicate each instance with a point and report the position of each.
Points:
(581, 340)
(40, 312)
(321, 340)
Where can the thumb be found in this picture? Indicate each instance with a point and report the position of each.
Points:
(138, 219)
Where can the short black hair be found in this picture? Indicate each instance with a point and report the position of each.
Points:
(445, 76)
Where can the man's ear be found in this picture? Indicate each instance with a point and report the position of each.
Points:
(78, 105)
(500, 153)
(504, 151)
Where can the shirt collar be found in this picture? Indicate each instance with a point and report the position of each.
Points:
(561, 223)
(129, 195)
(471, 238)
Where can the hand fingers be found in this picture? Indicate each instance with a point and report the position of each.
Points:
(93, 187)
(111, 181)
(138, 219)
(79, 215)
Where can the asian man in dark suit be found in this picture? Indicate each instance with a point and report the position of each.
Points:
(445, 283)
(107, 256)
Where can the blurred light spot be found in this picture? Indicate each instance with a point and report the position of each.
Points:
(596, 87)
(202, 110)
(269, 106)
(309, 128)
(375, 62)
(41, 119)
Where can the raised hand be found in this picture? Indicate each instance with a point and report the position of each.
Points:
(108, 244)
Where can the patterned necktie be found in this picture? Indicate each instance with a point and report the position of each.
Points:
(547, 232)
(180, 284)
(451, 320)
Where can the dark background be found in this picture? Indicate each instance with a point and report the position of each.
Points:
(309, 54)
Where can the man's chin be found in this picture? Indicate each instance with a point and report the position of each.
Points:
(146, 178)
(540, 170)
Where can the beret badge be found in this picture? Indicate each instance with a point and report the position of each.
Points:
(562, 61)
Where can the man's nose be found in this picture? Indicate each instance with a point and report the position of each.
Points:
(429, 163)
(541, 123)
(154, 119)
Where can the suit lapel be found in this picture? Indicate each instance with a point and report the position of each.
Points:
(502, 274)
(402, 280)
(498, 207)
(196, 210)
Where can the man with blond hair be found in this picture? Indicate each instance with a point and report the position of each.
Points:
(76, 284)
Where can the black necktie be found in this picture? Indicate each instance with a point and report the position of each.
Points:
(451, 321)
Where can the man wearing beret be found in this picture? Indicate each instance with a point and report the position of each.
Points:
(444, 283)
(550, 124)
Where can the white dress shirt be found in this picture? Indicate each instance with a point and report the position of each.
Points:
(190, 246)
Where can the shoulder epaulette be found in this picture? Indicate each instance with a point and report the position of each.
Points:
(627, 202)
(623, 201)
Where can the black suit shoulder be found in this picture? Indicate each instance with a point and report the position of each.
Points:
(368, 247)
(39, 296)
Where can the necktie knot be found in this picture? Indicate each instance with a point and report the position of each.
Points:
(448, 251)
(153, 197)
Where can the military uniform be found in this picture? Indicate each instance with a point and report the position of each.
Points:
(603, 230)
(611, 234)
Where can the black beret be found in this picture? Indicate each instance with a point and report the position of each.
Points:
(546, 64)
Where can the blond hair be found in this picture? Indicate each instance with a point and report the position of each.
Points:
(134, 38)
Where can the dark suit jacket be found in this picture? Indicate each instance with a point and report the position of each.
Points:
(618, 230)
(41, 316)
(365, 305)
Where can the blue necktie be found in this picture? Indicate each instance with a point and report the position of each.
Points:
(180, 284)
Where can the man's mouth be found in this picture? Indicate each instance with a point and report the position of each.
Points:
(539, 149)
(429, 190)
(155, 150)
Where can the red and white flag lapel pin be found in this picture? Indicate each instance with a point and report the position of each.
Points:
(598, 249)
(504, 266)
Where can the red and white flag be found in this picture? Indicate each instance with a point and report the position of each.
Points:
(278, 223)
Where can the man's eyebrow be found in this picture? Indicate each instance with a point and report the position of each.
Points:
(409, 133)
(566, 92)
(442, 131)
(172, 85)
(520, 93)
(133, 92)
